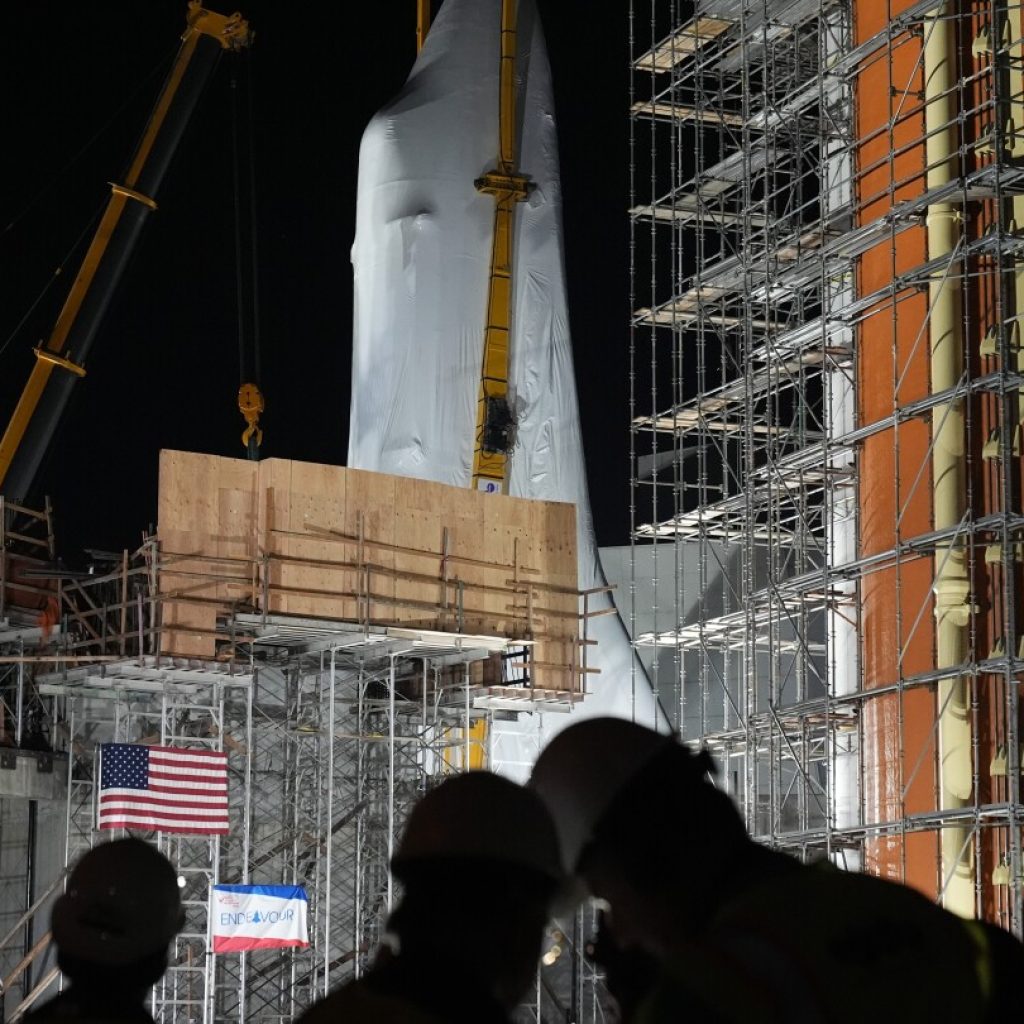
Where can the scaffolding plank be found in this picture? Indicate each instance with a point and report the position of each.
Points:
(662, 111)
(683, 43)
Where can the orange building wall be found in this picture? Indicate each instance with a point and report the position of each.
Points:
(895, 478)
(899, 759)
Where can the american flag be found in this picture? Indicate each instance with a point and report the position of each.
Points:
(164, 789)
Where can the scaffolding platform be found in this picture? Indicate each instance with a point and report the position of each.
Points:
(346, 639)
(787, 175)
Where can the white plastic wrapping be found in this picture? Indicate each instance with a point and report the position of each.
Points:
(422, 262)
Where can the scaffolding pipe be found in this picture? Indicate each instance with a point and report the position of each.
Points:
(1015, 144)
(330, 816)
(951, 585)
(840, 395)
(1012, 697)
(390, 893)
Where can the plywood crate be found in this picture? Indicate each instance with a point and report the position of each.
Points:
(326, 542)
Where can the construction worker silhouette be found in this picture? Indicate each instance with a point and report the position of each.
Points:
(704, 923)
(479, 865)
(112, 927)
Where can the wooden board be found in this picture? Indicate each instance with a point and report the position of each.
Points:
(206, 516)
(327, 542)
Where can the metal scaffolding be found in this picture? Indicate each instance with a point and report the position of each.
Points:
(785, 206)
(332, 731)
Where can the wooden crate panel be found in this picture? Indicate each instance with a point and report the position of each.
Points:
(335, 543)
(207, 513)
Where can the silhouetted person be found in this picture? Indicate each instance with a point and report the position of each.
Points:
(479, 863)
(112, 928)
(704, 924)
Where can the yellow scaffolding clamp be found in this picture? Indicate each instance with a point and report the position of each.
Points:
(495, 422)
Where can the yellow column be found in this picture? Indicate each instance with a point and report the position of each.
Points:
(951, 584)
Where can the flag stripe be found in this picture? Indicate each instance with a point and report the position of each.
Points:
(184, 754)
(212, 792)
(177, 771)
(243, 943)
(200, 761)
(203, 821)
(140, 796)
(155, 821)
(279, 892)
(171, 813)
(189, 784)
(152, 825)
(145, 807)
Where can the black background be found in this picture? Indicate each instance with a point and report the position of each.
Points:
(164, 371)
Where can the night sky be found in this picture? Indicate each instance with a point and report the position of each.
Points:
(164, 370)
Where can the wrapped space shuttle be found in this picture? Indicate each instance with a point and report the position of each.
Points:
(422, 257)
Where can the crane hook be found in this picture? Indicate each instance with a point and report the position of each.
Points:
(250, 405)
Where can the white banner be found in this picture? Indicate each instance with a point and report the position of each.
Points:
(245, 917)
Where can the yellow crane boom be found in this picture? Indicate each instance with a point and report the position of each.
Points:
(494, 420)
(59, 362)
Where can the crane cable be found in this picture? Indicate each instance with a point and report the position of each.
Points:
(250, 398)
(90, 226)
(131, 96)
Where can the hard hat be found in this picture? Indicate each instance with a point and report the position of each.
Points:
(480, 816)
(584, 768)
(122, 904)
